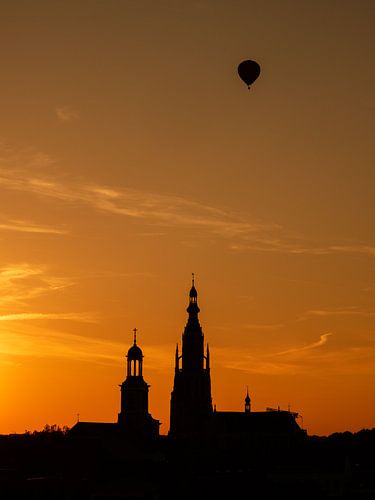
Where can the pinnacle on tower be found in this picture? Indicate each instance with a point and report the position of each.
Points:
(193, 308)
(247, 401)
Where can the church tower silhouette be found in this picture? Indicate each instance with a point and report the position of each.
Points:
(191, 402)
(134, 417)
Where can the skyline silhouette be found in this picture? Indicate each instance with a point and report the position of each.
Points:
(206, 452)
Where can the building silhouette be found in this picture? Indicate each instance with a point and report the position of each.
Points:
(191, 402)
(192, 415)
(134, 420)
(134, 417)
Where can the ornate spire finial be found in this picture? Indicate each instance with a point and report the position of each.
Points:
(247, 398)
(135, 335)
(247, 401)
(193, 297)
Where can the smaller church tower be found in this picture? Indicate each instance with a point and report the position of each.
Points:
(247, 402)
(134, 416)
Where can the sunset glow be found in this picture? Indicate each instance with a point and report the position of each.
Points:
(131, 155)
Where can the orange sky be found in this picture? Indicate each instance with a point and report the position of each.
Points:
(131, 155)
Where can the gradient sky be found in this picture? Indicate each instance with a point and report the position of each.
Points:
(132, 155)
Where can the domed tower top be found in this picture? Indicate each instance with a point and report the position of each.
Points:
(193, 299)
(135, 352)
(135, 357)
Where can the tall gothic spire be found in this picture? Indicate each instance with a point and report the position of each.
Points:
(191, 405)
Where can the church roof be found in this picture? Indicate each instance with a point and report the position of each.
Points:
(94, 429)
(269, 422)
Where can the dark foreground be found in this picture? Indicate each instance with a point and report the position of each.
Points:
(54, 465)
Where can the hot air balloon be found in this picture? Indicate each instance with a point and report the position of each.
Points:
(248, 71)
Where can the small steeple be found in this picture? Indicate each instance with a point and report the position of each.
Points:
(247, 402)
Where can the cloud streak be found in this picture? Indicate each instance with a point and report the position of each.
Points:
(163, 210)
(352, 311)
(281, 246)
(23, 226)
(322, 340)
(272, 326)
(350, 360)
(67, 114)
(83, 317)
(22, 341)
(291, 361)
(21, 282)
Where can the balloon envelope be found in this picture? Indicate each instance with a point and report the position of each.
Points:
(248, 71)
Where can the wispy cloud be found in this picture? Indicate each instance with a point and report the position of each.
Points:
(24, 226)
(21, 282)
(322, 340)
(365, 249)
(67, 113)
(40, 160)
(163, 210)
(251, 361)
(317, 357)
(350, 311)
(253, 327)
(16, 159)
(262, 326)
(41, 342)
(83, 317)
(296, 248)
(291, 361)
(13, 272)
